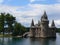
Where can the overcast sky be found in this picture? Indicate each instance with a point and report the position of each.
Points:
(26, 10)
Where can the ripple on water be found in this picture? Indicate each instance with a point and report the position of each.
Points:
(30, 41)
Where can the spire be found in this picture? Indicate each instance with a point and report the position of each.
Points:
(38, 23)
(53, 24)
(32, 23)
(45, 13)
(44, 17)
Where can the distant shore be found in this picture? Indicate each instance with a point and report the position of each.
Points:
(9, 35)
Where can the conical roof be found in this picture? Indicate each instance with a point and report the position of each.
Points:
(53, 24)
(38, 23)
(44, 15)
(32, 23)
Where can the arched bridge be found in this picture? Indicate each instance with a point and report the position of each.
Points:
(26, 34)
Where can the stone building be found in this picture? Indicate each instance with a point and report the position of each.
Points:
(42, 29)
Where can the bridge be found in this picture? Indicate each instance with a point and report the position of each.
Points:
(26, 34)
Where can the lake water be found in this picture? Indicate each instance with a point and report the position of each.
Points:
(30, 41)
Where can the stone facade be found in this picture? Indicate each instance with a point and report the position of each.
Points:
(42, 29)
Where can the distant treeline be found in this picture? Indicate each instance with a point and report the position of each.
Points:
(57, 29)
(27, 29)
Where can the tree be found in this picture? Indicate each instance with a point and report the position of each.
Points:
(23, 30)
(2, 19)
(18, 29)
(10, 21)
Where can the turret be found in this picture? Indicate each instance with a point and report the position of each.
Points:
(44, 17)
(38, 23)
(32, 29)
(53, 29)
(44, 25)
(32, 23)
(53, 24)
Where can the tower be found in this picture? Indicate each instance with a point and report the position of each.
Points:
(32, 29)
(32, 23)
(44, 25)
(38, 23)
(53, 24)
(53, 29)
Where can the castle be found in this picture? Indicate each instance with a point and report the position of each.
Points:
(42, 29)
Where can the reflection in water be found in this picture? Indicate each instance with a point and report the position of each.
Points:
(30, 41)
(5, 41)
(41, 41)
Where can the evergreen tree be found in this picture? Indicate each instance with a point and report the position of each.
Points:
(2, 19)
(18, 29)
(10, 21)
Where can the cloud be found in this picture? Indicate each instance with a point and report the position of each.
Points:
(32, 0)
(57, 22)
(58, 1)
(36, 0)
(1, 1)
(25, 14)
(38, 9)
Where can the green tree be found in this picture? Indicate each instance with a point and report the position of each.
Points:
(18, 29)
(22, 30)
(10, 21)
(2, 19)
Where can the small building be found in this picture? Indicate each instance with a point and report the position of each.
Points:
(42, 29)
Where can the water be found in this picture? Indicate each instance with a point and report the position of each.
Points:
(30, 41)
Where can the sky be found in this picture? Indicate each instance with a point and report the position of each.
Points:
(26, 10)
